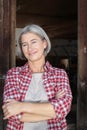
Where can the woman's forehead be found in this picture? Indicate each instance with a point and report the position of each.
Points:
(30, 36)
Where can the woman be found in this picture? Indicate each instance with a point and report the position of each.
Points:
(36, 95)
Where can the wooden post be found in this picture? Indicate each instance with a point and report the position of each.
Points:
(7, 43)
(82, 66)
(7, 34)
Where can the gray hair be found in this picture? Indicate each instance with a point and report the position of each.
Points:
(38, 31)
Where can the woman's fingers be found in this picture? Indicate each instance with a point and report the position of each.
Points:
(10, 100)
(11, 108)
(6, 116)
(8, 108)
(6, 111)
(60, 94)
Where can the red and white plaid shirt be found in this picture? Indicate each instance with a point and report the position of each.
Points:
(54, 79)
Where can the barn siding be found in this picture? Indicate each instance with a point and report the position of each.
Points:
(82, 66)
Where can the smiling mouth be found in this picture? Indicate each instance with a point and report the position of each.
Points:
(32, 53)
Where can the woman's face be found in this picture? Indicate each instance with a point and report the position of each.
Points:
(33, 46)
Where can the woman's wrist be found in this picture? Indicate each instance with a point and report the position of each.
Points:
(22, 105)
(25, 106)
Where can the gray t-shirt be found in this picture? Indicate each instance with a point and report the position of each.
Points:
(36, 93)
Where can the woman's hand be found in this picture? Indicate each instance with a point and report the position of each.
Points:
(60, 94)
(11, 108)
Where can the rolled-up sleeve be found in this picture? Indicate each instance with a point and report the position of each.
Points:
(11, 86)
(62, 105)
(11, 90)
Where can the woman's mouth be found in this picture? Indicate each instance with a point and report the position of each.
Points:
(32, 53)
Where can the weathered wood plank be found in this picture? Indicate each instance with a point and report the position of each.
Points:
(7, 44)
(13, 27)
(82, 67)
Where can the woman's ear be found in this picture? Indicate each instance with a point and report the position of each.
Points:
(45, 44)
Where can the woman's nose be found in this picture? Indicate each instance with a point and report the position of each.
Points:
(29, 47)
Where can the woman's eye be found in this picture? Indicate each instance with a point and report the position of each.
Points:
(33, 42)
(24, 45)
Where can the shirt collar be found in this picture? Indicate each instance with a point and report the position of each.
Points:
(47, 67)
(26, 69)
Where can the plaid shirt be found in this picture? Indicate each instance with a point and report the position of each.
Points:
(54, 79)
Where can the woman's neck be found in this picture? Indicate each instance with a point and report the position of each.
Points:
(37, 66)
